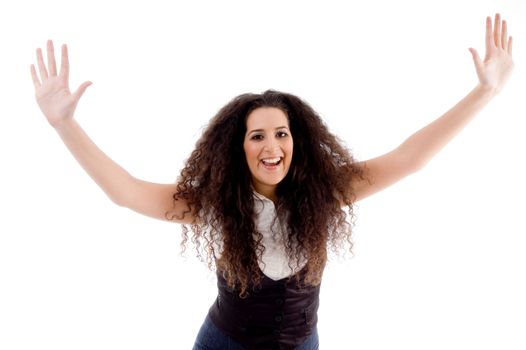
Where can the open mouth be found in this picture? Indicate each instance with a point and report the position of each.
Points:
(271, 162)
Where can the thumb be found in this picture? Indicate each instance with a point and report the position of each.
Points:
(82, 88)
(476, 58)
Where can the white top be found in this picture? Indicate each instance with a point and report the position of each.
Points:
(274, 262)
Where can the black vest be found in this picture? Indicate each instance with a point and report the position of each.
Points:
(279, 315)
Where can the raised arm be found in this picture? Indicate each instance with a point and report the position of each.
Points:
(58, 105)
(417, 150)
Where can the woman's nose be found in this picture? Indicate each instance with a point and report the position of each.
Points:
(271, 145)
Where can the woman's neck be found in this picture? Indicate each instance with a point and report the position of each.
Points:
(269, 192)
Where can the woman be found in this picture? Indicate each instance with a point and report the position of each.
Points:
(263, 194)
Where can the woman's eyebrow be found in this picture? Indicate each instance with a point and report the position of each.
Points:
(259, 130)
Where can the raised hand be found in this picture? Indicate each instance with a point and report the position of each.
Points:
(496, 68)
(52, 91)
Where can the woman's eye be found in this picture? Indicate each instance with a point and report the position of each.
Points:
(279, 134)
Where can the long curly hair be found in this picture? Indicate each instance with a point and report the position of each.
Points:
(216, 184)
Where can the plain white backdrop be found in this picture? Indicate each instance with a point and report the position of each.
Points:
(439, 258)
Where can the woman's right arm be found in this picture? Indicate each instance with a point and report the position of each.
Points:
(58, 105)
(123, 189)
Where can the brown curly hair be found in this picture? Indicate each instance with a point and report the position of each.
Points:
(216, 183)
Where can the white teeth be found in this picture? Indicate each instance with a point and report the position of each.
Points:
(271, 161)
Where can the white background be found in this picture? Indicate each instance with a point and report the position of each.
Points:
(439, 258)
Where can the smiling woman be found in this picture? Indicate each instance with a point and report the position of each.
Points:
(266, 144)
(263, 192)
(263, 218)
(268, 149)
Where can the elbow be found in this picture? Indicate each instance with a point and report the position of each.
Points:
(117, 200)
(125, 197)
(413, 160)
(124, 192)
(419, 164)
(412, 163)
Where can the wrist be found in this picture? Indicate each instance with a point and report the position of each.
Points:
(63, 125)
(486, 91)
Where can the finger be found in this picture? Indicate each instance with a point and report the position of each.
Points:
(34, 75)
(64, 63)
(82, 88)
(504, 35)
(41, 66)
(496, 30)
(510, 45)
(489, 39)
(52, 66)
(476, 58)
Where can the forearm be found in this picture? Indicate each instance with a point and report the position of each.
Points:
(111, 177)
(423, 145)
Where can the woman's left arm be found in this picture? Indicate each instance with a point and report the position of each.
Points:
(417, 150)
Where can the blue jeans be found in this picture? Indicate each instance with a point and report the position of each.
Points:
(211, 338)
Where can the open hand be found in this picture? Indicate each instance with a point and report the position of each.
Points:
(52, 91)
(496, 68)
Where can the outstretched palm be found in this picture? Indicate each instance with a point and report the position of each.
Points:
(496, 68)
(52, 91)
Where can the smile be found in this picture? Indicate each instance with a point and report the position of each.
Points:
(271, 161)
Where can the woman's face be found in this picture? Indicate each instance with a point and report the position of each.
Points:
(268, 148)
